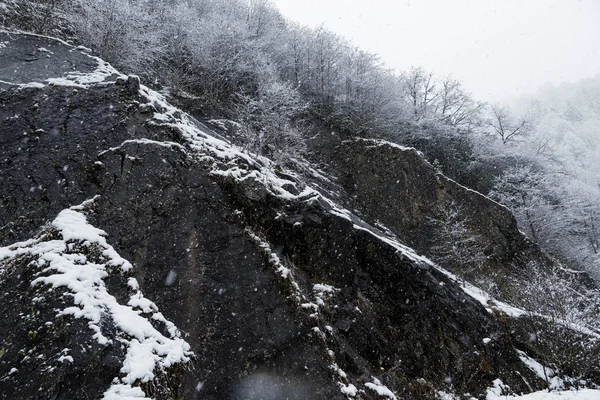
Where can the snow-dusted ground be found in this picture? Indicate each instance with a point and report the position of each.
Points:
(557, 386)
(495, 393)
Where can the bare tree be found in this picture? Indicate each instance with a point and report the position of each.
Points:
(419, 89)
(504, 125)
(455, 107)
(267, 126)
(327, 50)
(459, 247)
(527, 193)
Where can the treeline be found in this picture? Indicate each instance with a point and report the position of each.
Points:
(222, 51)
(226, 53)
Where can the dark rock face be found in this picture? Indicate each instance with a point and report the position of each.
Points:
(51, 138)
(30, 58)
(279, 292)
(432, 213)
(393, 315)
(195, 261)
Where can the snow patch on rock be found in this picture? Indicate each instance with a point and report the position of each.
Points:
(380, 389)
(65, 254)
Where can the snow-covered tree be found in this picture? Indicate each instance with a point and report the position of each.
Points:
(420, 91)
(456, 108)
(526, 192)
(562, 318)
(458, 246)
(267, 122)
(506, 126)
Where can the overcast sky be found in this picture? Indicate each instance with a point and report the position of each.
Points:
(500, 49)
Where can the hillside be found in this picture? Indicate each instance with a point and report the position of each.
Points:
(145, 255)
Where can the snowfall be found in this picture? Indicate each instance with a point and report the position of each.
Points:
(148, 349)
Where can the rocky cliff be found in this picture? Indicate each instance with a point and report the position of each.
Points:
(459, 228)
(146, 256)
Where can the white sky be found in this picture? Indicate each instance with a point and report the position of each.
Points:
(499, 49)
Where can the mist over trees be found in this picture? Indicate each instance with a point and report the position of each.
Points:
(554, 184)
